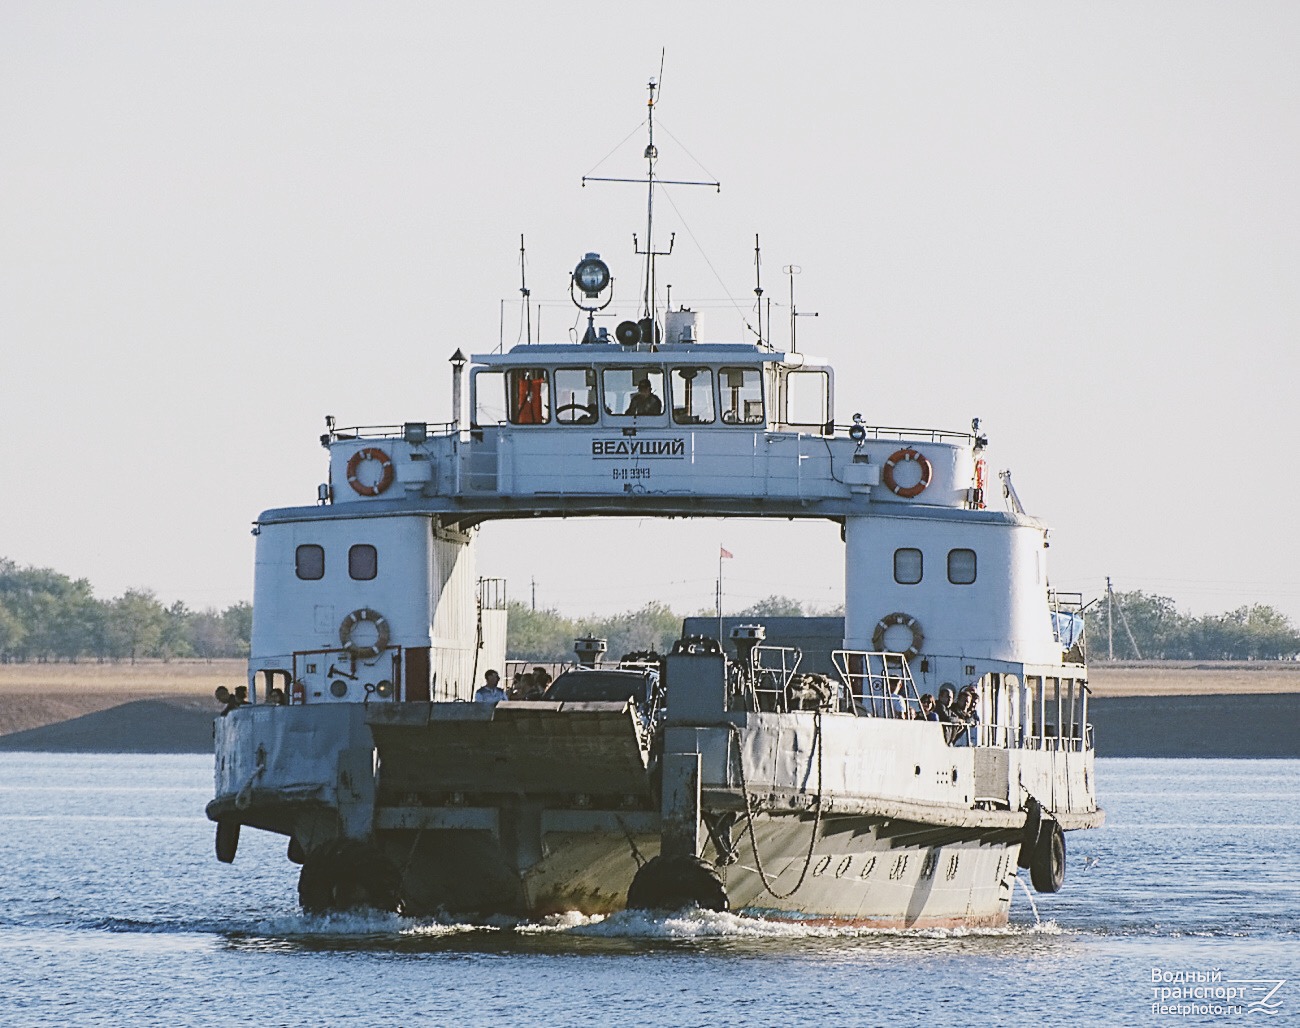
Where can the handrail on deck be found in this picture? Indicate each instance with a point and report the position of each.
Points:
(879, 683)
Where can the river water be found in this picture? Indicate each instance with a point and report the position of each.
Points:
(113, 911)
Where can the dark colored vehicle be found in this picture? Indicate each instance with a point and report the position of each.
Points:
(588, 685)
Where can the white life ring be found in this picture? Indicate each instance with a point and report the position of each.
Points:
(364, 615)
(908, 622)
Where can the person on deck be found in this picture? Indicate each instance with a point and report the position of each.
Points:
(897, 702)
(943, 706)
(490, 691)
(969, 717)
(232, 700)
(541, 679)
(644, 401)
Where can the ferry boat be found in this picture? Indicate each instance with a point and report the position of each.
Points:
(782, 768)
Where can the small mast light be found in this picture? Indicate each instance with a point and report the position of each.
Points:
(858, 433)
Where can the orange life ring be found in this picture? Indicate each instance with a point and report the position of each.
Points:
(385, 473)
(900, 457)
(908, 622)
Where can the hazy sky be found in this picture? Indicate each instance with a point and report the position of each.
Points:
(1080, 222)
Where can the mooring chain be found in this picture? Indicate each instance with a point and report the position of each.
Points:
(749, 813)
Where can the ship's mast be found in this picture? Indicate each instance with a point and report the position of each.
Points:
(651, 155)
(650, 253)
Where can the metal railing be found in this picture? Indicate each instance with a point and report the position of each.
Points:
(774, 669)
(409, 431)
(879, 683)
(933, 435)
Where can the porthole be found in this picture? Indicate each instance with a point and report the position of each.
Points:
(309, 562)
(961, 567)
(363, 562)
(907, 566)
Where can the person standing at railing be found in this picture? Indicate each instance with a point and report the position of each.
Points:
(490, 691)
(947, 713)
(928, 713)
(969, 718)
(897, 702)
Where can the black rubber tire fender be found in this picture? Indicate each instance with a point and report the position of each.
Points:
(1029, 835)
(348, 875)
(1047, 870)
(672, 883)
(227, 840)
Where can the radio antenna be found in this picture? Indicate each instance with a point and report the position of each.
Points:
(651, 154)
(523, 290)
(758, 287)
(792, 270)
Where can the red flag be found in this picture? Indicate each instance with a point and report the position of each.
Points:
(725, 554)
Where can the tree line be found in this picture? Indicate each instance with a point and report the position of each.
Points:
(548, 635)
(1150, 627)
(47, 616)
(1143, 626)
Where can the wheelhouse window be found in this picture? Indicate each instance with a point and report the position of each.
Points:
(634, 392)
(741, 390)
(961, 567)
(489, 397)
(692, 396)
(309, 562)
(907, 566)
(575, 396)
(363, 562)
(529, 395)
(807, 398)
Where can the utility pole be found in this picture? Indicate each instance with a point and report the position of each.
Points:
(1110, 604)
(1110, 621)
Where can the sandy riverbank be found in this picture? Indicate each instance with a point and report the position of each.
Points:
(34, 695)
(1194, 678)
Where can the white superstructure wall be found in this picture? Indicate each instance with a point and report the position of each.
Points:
(974, 586)
(421, 578)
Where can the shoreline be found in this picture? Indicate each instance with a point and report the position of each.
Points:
(1138, 709)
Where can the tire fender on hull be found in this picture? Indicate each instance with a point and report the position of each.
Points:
(348, 875)
(1029, 836)
(227, 840)
(1047, 867)
(671, 883)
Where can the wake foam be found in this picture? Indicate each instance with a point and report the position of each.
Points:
(683, 925)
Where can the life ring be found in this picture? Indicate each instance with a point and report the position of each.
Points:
(364, 614)
(908, 622)
(900, 457)
(385, 471)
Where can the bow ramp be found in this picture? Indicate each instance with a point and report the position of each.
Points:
(532, 748)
